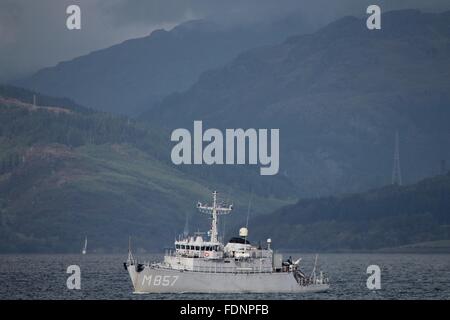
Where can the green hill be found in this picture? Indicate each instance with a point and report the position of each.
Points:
(67, 172)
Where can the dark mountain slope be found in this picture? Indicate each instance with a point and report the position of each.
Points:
(338, 97)
(129, 77)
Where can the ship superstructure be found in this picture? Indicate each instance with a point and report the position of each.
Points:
(198, 264)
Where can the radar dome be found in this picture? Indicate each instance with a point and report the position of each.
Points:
(243, 232)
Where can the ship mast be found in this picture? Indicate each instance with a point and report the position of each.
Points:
(214, 210)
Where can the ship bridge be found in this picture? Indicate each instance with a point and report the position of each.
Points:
(196, 247)
(198, 254)
(206, 265)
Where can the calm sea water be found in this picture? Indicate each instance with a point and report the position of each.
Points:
(403, 276)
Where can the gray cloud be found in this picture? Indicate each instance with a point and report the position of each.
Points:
(126, 12)
(33, 33)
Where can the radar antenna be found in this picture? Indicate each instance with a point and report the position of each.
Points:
(214, 210)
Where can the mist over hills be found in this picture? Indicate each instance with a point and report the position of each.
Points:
(130, 77)
(338, 96)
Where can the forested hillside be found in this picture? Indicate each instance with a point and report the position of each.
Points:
(68, 172)
(393, 216)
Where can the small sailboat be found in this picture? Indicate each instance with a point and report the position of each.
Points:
(85, 246)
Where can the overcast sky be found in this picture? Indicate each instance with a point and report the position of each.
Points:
(33, 33)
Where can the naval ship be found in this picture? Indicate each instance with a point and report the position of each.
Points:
(198, 265)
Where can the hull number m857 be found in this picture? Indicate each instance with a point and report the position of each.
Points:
(158, 280)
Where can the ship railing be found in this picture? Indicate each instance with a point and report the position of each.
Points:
(215, 269)
(221, 269)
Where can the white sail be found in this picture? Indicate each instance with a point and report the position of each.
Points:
(85, 246)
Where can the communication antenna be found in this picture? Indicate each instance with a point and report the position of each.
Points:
(186, 226)
(248, 212)
(249, 207)
(224, 221)
(313, 273)
(396, 171)
(34, 100)
(130, 259)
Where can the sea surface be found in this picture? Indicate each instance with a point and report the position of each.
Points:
(403, 276)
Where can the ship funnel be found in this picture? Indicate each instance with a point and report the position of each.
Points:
(243, 232)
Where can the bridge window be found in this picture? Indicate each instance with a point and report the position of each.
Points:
(197, 248)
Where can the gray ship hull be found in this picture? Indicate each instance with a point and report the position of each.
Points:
(161, 280)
